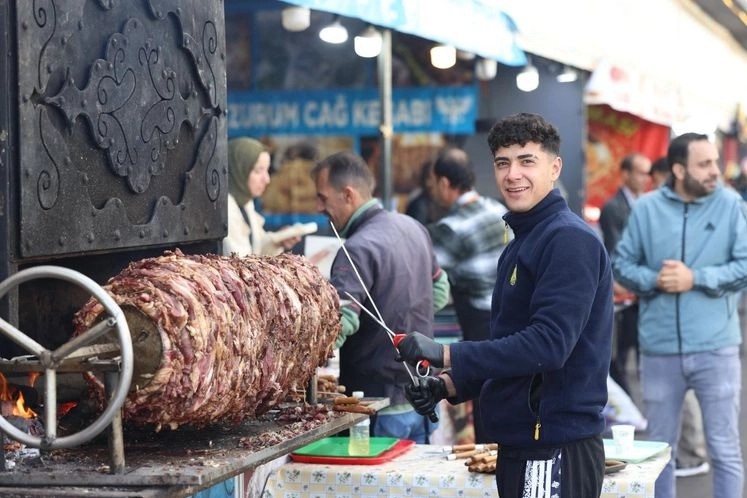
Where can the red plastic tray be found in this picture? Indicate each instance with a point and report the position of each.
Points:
(396, 450)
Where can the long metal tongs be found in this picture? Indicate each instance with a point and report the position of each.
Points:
(395, 338)
(380, 319)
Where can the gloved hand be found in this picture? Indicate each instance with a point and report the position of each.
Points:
(425, 396)
(416, 346)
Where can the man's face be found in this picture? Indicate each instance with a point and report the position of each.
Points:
(638, 179)
(525, 174)
(701, 174)
(336, 204)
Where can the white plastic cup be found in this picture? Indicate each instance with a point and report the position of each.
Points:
(623, 436)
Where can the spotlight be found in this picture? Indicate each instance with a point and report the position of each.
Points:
(569, 75)
(368, 43)
(443, 56)
(486, 69)
(334, 32)
(296, 18)
(528, 78)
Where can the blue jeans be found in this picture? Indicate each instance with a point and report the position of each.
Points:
(408, 425)
(716, 379)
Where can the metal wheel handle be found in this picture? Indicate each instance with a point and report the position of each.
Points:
(51, 359)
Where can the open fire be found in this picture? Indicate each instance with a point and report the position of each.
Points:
(13, 400)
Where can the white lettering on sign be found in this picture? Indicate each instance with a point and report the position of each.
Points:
(414, 112)
(366, 113)
(263, 115)
(326, 114)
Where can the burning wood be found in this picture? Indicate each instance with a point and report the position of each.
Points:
(12, 399)
(236, 334)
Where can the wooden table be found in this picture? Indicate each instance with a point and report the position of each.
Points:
(424, 471)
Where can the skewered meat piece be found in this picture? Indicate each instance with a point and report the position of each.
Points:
(235, 335)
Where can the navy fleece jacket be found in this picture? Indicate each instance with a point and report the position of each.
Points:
(542, 377)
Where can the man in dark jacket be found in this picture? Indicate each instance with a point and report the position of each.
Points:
(394, 258)
(635, 169)
(541, 377)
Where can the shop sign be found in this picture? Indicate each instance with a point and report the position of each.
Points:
(450, 110)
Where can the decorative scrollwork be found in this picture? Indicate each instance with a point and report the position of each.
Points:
(113, 93)
(48, 177)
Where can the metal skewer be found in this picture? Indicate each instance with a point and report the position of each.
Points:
(394, 337)
(380, 319)
(432, 415)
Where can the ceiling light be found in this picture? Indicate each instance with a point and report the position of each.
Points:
(528, 78)
(334, 32)
(486, 69)
(368, 43)
(569, 75)
(443, 56)
(296, 18)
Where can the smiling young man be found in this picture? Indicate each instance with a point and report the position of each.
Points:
(684, 253)
(541, 377)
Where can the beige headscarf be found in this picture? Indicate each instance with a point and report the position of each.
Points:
(242, 156)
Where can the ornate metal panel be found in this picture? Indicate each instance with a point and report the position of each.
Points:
(122, 124)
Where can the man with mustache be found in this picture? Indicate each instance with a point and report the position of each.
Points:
(684, 253)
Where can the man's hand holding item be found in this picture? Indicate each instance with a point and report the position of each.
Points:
(416, 347)
(426, 395)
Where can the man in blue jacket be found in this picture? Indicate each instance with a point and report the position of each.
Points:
(684, 253)
(541, 377)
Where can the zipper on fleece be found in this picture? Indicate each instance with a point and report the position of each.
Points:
(535, 389)
(677, 297)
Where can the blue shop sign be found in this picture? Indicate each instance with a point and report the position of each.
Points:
(354, 112)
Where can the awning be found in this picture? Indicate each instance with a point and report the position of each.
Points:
(665, 61)
(477, 26)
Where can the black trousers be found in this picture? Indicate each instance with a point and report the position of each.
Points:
(580, 475)
(626, 340)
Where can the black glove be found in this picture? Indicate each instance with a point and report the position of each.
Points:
(425, 396)
(416, 346)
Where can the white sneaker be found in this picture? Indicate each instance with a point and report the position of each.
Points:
(696, 470)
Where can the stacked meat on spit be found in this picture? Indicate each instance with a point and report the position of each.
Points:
(237, 334)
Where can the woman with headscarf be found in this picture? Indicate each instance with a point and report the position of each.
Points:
(248, 176)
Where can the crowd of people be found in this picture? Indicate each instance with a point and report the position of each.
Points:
(550, 312)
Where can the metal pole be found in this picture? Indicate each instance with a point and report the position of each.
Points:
(384, 62)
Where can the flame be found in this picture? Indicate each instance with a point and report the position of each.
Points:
(63, 408)
(20, 409)
(15, 396)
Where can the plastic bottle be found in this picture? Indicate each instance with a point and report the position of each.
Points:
(359, 444)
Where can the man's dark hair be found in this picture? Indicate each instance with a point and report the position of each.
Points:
(661, 165)
(454, 164)
(522, 128)
(678, 147)
(627, 162)
(347, 169)
(301, 150)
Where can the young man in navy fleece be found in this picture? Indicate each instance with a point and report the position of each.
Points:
(541, 377)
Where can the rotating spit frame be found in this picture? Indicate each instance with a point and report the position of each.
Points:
(48, 362)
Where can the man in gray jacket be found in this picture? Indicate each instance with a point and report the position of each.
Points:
(684, 253)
